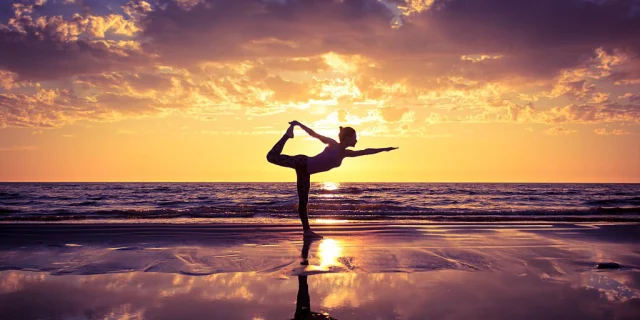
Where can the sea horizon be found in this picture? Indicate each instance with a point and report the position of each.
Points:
(334, 181)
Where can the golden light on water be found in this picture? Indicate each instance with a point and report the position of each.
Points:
(330, 186)
(330, 221)
(329, 251)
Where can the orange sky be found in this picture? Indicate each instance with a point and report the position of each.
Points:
(190, 91)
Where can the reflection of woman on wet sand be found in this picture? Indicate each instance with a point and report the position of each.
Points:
(303, 302)
(331, 157)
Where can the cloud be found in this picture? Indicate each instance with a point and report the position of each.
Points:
(49, 47)
(391, 61)
(18, 148)
(633, 97)
(126, 132)
(592, 114)
(393, 114)
(287, 91)
(614, 132)
(141, 82)
(45, 108)
(599, 97)
(495, 38)
(518, 113)
(575, 90)
(48, 108)
(457, 28)
(7, 79)
(559, 130)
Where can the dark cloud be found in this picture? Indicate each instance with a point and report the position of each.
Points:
(538, 37)
(34, 58)
(630, 74)
(534, 38)
(40, 47)
(238, 30)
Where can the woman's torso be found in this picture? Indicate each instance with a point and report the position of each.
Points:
(331, 157)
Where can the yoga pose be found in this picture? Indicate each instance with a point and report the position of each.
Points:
(331, 157)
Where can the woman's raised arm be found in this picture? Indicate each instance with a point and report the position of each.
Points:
(325, 140)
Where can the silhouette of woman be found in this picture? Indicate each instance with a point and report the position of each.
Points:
(331, 157)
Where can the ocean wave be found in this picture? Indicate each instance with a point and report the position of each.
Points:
(616, 202)
(9, 211)
(171, 202)
(62, 201)
(353, 213)
(9, 195)
(84, 203)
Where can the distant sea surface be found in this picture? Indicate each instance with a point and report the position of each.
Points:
(148, 202)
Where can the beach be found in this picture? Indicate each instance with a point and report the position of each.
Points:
(358, 271)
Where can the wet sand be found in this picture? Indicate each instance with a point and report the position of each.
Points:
(359, 271)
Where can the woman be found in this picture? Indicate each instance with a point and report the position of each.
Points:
(331, 157)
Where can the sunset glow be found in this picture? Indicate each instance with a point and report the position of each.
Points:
(200, 90)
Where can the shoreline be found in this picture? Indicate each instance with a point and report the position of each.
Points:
(429, 219)
(81, 244)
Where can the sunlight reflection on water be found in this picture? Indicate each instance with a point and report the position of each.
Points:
(330, 186)
(329, 250)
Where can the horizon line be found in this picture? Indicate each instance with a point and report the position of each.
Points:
(329, 181)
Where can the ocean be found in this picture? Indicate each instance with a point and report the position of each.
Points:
(352, 202)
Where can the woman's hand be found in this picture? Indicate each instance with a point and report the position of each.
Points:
(295, 123)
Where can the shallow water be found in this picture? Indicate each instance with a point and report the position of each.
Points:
(444, 294)
(540, 249)
(361, 271)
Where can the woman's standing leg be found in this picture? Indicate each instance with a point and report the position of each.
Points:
(303, 184)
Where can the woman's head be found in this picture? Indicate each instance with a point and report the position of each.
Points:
(347, 136)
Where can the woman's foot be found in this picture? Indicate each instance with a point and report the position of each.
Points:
(311, 235)
(289, 132)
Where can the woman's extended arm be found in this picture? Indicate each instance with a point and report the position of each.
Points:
(325, 140)
(357, 153)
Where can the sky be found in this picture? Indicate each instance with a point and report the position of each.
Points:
(200, 90)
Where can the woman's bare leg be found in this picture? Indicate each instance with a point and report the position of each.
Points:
(304, 185)
(275, 155)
